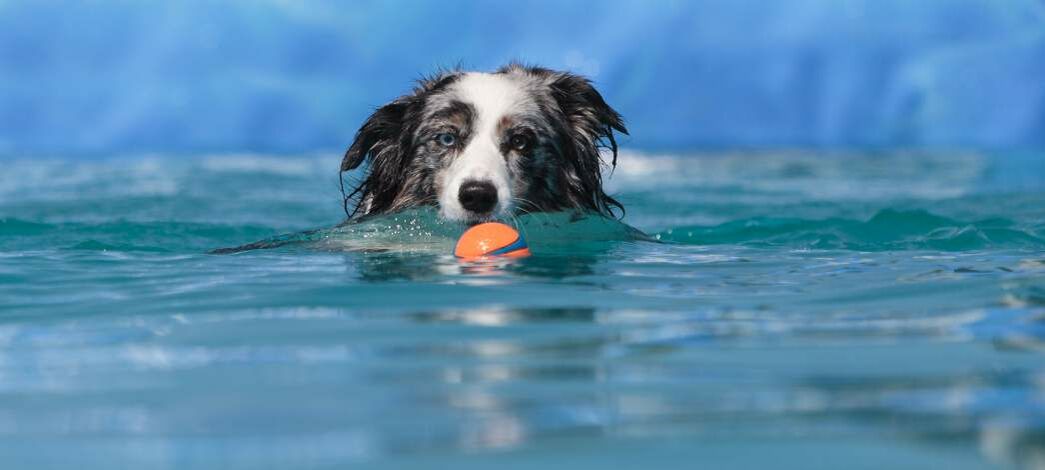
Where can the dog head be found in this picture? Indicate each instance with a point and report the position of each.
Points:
(484, 145)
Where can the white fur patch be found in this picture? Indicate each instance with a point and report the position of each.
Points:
(493, 97)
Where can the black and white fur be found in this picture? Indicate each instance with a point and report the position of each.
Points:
(480, 146)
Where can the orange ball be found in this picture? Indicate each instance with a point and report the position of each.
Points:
(491, 239)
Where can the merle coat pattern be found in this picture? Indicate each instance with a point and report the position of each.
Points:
(482, 145)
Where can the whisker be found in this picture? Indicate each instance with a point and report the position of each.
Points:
(533, 213)
(518, 224)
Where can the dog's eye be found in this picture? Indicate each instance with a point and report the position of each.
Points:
(520, 142)
(446, 139)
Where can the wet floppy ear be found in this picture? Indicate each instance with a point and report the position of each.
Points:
(380, 141)
(590, 124)
(591, 121)
(381, 129)
(384, 129)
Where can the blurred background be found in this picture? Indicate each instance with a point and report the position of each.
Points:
(97, 78)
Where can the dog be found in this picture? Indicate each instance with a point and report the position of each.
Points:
(482, 146)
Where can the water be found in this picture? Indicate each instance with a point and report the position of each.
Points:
(771, 310)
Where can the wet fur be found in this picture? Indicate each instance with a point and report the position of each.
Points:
(568, 119)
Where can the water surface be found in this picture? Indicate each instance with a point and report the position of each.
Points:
(778, 309)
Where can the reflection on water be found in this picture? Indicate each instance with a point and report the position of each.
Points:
(391, 266)
(493, 316)
(826, 317)
(390, 357)
(357, 386)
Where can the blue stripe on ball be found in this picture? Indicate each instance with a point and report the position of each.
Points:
(518, 244)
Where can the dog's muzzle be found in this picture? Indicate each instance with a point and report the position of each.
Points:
(479, 197)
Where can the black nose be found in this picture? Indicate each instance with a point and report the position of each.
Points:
(478, 196)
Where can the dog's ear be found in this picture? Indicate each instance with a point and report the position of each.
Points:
(385, 127)
(590, 124)
(384, 141)
(381, 129)
(589, 117)
(381, 141)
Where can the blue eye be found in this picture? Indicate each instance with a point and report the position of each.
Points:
(446, 139)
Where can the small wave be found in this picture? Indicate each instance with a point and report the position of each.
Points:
(158, 236)
(95, 245)
(251, 163)
(808, 175)
(889, 229)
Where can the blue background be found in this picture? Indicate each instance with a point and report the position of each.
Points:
(97, 78)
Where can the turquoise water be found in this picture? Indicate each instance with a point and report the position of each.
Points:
(767, 310)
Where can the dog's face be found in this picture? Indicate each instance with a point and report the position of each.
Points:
(484, 145)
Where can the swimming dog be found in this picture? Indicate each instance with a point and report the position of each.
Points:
(480, 146)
